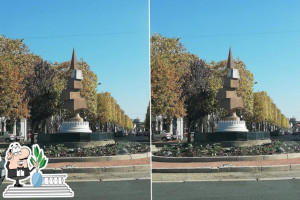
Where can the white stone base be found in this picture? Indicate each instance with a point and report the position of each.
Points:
(232, 126)
(75, 127)
(54, 185)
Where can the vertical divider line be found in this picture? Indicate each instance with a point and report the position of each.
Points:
(150, 118)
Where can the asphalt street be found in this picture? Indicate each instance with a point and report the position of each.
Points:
(111, 190)
(228, 190)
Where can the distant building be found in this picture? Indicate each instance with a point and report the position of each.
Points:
(295, 124)
(138, 125)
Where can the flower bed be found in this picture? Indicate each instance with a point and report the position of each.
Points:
(190, 150)
(107, 150)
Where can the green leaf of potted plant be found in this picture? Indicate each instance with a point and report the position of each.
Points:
(39, 161)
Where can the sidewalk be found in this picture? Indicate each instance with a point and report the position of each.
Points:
(226, 170)
(142, 161)
(290, 161)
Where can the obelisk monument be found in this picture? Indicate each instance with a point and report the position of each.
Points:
(73, 101)
(229, 100)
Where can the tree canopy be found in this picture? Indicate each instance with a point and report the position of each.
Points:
(31, 87)
(169, 62)
(183, 85)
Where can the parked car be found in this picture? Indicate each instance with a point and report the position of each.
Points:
(7, 137)
(163, 135)
(20, 138)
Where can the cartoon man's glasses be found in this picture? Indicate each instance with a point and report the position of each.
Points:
(16, 151)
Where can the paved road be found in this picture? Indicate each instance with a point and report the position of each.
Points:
(224, 176)
(239, 190)
(135, 189)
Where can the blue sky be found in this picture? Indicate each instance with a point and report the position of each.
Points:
(264, 34)
(111, 36)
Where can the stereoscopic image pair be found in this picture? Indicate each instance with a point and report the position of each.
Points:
(149, 99)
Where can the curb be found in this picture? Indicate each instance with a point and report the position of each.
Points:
(100, 158)
(267, 168)
(129, 168)
(225, 158)
(231, 180)
(101, 180)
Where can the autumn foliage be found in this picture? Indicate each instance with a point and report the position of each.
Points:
(182, 85)
(30, 87)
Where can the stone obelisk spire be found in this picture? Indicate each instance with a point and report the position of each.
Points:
(227, 96)
(71, 96)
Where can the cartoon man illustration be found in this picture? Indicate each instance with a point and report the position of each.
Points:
(17, 163)
(2, 170)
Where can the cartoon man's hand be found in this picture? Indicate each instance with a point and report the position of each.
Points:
(9, 155)
(36, 164)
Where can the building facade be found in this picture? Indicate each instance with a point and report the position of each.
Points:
(17, 127)
(175, 127)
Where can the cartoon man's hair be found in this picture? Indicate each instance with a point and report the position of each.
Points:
(14, 145)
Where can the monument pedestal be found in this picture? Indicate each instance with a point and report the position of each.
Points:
(232, 126)
(77, 139)
(75, 127)
(233, 133)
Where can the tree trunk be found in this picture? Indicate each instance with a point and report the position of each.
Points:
(189, 135)
(201, 125)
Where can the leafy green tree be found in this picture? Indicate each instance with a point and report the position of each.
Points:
(270, 113)
(17, 53)
(113, 112)
(110, 114)
(123, 119)
(41, 94)
(274, 114)
(198, 96)
(13, 102)
(129, 124)
(118, 112)
(169, 61)
(147, 118)
(89, 92)
(16, 63)
(260, 109)
(278, 122)
(266, 113)
(245, 90)
(104, 109)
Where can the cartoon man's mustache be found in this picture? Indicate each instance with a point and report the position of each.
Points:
(24, 158)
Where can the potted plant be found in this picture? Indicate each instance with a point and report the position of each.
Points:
(38, 156)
